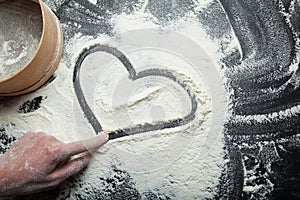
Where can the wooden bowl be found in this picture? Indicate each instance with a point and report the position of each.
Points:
(45, 60)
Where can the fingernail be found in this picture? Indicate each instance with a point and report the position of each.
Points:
(104, 136)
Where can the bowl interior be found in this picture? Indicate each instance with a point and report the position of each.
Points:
(20, 38)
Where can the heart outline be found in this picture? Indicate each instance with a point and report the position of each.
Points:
(133, 75)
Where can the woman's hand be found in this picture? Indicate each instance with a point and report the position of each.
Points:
(39, 162)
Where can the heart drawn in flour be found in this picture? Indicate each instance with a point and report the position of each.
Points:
(133, 75)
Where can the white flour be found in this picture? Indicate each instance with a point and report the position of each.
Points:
(190, 156)
(183, 162)
(20, 37)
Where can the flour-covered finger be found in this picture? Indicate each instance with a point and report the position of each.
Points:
(70, 168)
(90, 144)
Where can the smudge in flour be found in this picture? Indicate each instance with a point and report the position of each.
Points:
(215, 24)
(294, 10)
(116, 185)
(31, 105)
(286, 3)
(5, 138)
(87, 18)
(265, 95)
(166, 12)
(267, 44)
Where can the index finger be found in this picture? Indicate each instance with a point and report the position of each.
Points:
(90, 144)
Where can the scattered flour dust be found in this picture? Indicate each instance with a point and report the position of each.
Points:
(181, 163)
(93, 1)
(20, 37)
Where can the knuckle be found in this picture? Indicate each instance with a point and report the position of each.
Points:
(50, 139)
(52, 151)
(55, 148)
(40, 133)
(45, 137)
(30, 133)
(42, 137)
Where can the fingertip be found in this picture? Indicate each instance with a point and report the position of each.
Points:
(82, 163)
(91, 144)
(84, 160)
(104, 137)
